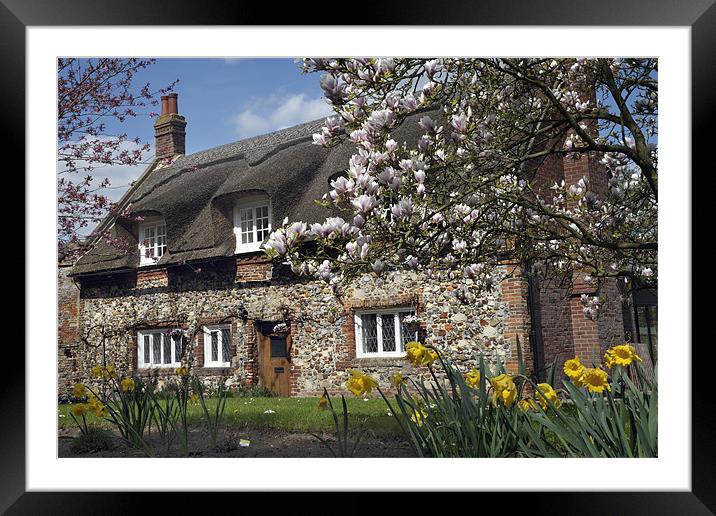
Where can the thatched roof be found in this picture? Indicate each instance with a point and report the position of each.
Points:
(196, 194)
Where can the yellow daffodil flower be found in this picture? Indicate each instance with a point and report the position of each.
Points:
(398, 379)
(418, 416)
(323, 402)
(573, 368)
(182, 371)
(472, 379)
(503, 389)
(526, 405)
(622, 355)
(97, 371)
(79, 410)
(109, 372)
(595, 380)
(546, 392)
(360, 384)
(96, 407)
(79, 391)
(127, 384)
(419, 355)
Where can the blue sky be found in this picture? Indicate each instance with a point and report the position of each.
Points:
(224, 100)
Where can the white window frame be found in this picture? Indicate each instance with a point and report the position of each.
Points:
(155, 222)
(141, 364)
(358, 322)
(252, 203)
(207, 349)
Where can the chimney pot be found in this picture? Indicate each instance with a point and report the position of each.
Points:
(170, 129)
(173, 104)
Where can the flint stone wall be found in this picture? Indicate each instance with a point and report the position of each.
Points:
(453, 316)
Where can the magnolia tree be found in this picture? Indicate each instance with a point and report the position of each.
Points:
(92, 96)
(464, 198)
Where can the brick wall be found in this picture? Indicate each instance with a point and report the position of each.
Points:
(152, 278)
(517, 325)
(253, 268)
(68, 308)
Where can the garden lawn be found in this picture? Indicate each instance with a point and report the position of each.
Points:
(293, 414)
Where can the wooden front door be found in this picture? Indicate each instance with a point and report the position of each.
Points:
(274, 363)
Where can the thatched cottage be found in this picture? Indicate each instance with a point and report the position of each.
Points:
(197, 290)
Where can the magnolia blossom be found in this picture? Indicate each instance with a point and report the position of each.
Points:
(479, 203)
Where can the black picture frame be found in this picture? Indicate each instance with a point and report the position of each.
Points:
(700, 15)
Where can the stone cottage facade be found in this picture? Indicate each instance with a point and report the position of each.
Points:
(198, 291)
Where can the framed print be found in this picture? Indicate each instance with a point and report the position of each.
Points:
(187, 294)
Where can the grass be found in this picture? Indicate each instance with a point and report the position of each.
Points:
(295, 414)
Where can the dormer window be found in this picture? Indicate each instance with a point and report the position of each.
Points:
(252, 223)
(152, 241)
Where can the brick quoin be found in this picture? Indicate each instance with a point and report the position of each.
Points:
(517, 325)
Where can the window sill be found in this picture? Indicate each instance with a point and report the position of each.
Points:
(399, 356)
(245, 250)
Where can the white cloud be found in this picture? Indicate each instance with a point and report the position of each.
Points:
(275, 112)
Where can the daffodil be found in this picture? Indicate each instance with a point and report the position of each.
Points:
(109, 372)
(360, 384)
(323, 402)
(398, 379)
(546, 392)
(622, 355)
(503, 389)
(96, 407)
(573, 368)
(79, 391)
(419, 355)
(182, 371)
(79, 410)
(127, 384)
(472, 379)
(418, 416)
(595, 380)
(97, 371)
(527, 404)
(194, 398)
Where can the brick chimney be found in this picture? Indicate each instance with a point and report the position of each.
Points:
(169, 129)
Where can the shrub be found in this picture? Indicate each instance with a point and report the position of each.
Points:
(92, 441)
(254, 391)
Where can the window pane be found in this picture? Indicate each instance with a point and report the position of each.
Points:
(262, 223)
(157, 348)
(214, 346)
(407, 331)
(147, 349)
(388, 330)
(177, 349)
(167, 349)
(642, 327)
(225, 341)
(278, 347)
(369, 333)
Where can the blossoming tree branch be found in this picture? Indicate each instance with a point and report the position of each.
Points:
(92, 96)
(464, 198)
